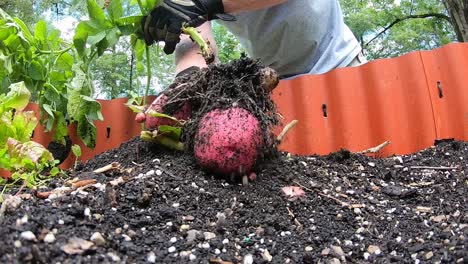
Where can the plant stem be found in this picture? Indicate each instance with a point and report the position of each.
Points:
(148, 72)
(162, 140)
(205, 48)
(54, 51)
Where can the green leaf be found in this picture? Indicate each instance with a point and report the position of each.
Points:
(65, 61)
(170, 131)
(61, 128)
(87, 132)
(17, 98)
(7, 63)
(94, 39)
(26, 33)
(40, 32)
(49, 110)
(24, 124)
(76, 149)
(113, 36)
(157, 114)
(136, 108)
(80, 37)
(30, 154)
(36, 71)
(115, 9)
(96, 13)
(54, 171)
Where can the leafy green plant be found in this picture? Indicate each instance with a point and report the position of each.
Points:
(25, 159)
(58, 82)
(76, 149)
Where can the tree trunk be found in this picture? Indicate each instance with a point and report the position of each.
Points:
(458, 10)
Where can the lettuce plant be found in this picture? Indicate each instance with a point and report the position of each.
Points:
(25, 159)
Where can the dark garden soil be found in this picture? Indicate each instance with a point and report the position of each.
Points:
(159, 207)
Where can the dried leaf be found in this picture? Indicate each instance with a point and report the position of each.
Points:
(293, 191)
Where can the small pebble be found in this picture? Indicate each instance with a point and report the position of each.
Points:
(151, 257)
(17, 244)
(308, 248)
(61, 222)
(248, 259)
(171, 249)
(97, 239)
(169, 223)
(372, 249)
(372, 164)
(338, 251)
(184, 227)
(150, 173)
(87, 212)
(113, 256)
(209, 235)
(192, 257)
(158, 172)
(428, 255)
(49, 238)
(217, 251)
(173, 240)
(175, 205)
(366, 255)
(226, 241)
(28, 235)
(206, 245)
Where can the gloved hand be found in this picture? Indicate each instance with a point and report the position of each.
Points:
(152, 123)
(165, 21)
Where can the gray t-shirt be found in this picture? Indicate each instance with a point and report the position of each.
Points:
(297, 37)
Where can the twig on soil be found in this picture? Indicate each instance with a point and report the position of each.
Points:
(433, 168)
(113, 165)
(290, 213)
(43, 195)
(20, 189)
(345, 204)
(420, 184)
(375, 149)
(286, 130)
(83, 183)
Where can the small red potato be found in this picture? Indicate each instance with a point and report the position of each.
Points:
(228, 141)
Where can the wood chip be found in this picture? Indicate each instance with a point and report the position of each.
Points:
(423, 209)
(83, 183)
(219, 261)
(113, 165)
(440, 218)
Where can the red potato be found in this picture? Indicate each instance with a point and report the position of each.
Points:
(157, 105)
(227, 141)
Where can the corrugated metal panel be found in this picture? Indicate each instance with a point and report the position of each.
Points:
(355, 108)
(365, 106)
(447, 74)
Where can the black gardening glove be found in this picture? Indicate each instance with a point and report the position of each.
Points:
(164, 23)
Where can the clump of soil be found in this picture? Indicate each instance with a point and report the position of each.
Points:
(159, 207)
(222, 86)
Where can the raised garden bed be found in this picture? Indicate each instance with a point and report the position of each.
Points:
(158, 206)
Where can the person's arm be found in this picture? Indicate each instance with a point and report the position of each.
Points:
(187, 53)
(234, 6)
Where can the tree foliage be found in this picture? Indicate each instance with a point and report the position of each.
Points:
(389, 28)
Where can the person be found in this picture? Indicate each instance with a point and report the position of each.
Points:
(294, 37)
